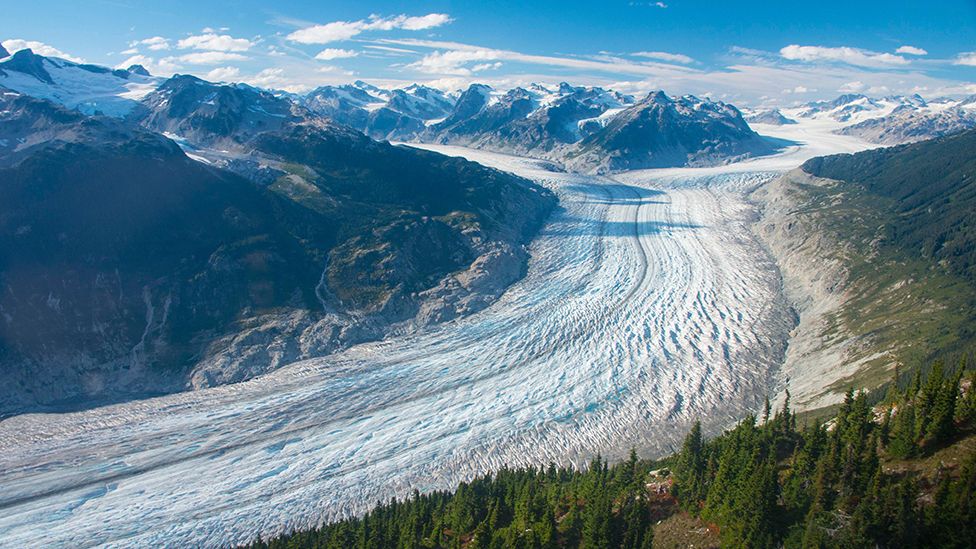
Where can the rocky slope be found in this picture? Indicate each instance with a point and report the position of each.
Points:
(130, 268)
(890, 233)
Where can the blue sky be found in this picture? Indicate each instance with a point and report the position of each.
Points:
(749, 52)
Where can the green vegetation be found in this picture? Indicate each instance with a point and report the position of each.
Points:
(899, 474)
(865, 479)
(905, 221)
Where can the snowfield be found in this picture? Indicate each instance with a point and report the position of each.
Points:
(647, 304)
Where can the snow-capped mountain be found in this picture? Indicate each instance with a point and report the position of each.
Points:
(131, 266)
(663, 131)
(772, 117)
(88, 88)
(207, 114)
(379, 113)
(534, 120)
(890, 120)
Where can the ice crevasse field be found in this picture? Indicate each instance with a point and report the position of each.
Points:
(647, 304)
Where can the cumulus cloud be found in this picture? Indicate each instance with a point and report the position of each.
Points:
(344, 30)
(165, 66)
(156, 43)
(911, 50)
(852, 87)
(135, 60)
(665, 56)
(329, 54)
(16, 44)
(223, 74)
(843, 54)
(209, 58)
(966, 58)
(211, 41)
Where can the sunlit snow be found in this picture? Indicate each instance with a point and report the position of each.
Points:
(647, 304)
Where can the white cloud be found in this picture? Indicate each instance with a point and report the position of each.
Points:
(163, 67)
(453, 61)
(277, 78)
(966, 58)
(486, 66)
(391, 50)
(911, 50)
(458, 56)
(665, 56)
(844, 54)
(852, 87)
(215, 42)
(223, 74)
(330, 32)
(209, 58)
(40, 48)
(130, 51)
(156, 43)
(135, 60)
(344, 30)
(799, 89)
(329, 54)
(424, 22)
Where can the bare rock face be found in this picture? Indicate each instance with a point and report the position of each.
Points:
(796, 238)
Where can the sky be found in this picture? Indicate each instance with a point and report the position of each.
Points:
(752, 53)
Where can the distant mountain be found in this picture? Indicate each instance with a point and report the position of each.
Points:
(381, 114)
(906, 125)
(532, 121)
(207, 114)
(662, 131)
(558, 123)
(892, 120)
(130, 268)
(772, 117)
(3, 52)
(89, 88)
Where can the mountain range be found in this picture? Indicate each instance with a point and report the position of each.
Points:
(133, 266)
(162, 234)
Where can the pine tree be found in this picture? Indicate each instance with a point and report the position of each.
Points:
(689, 471)
(942, 425)
(902, 444)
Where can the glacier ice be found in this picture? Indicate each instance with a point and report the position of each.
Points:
(647, 304)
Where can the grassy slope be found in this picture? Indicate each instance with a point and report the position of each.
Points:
(904, 218)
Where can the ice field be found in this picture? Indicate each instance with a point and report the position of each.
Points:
(647, 304)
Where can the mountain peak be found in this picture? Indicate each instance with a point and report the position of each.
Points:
(28, 62)
(658, 97)
(3, 52)
(138, 69)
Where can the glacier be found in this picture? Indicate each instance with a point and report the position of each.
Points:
(648, 304)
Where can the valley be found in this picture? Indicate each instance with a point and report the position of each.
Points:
(628, 326)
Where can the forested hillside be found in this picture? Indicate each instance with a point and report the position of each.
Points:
(899, 473)
(930, 188)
